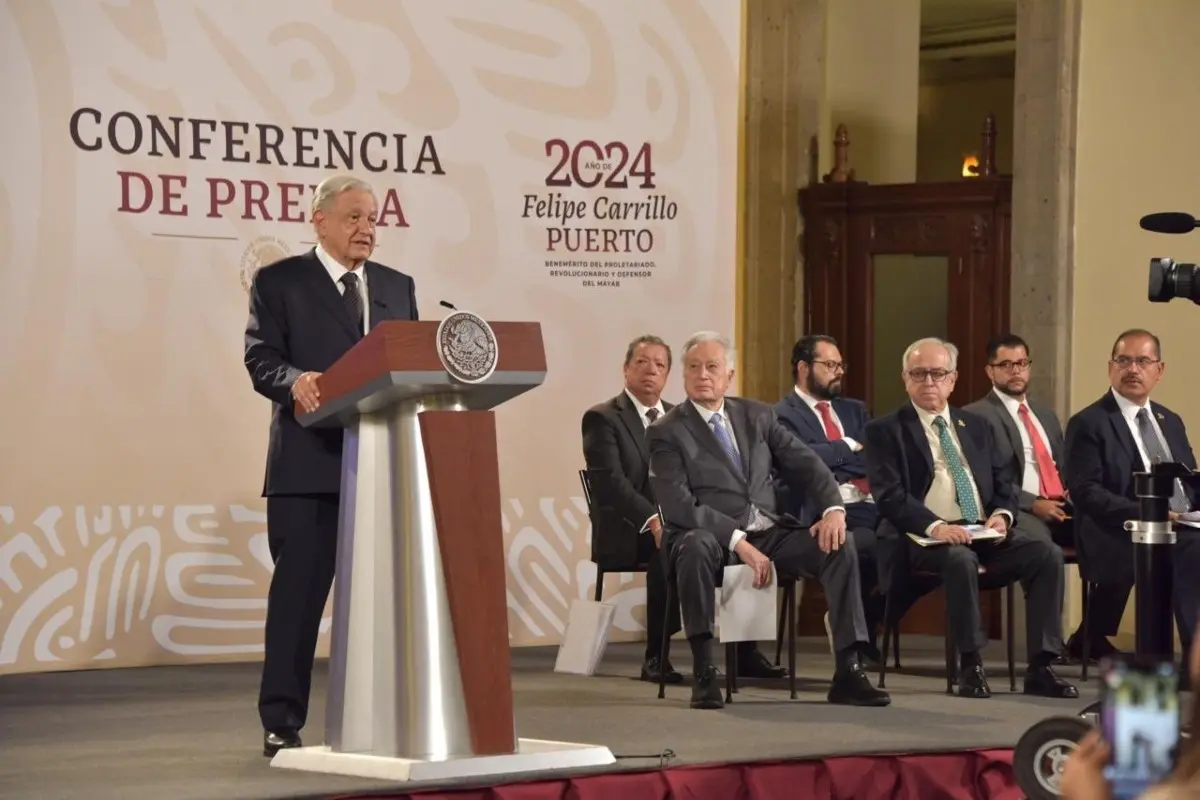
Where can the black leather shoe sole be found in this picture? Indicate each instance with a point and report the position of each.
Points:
(274, 742)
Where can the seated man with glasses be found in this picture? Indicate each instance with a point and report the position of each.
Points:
(1029, 436)
(1031, 439)
(933, 470)
(1122, 433)
(832, 426)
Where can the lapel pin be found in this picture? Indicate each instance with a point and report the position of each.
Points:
(962, 424)
(1159, 415)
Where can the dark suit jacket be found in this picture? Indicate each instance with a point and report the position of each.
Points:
(900, 468)
(699, 488)
(1008, 439)
(1101, 459)
(299, 323)
(796, 415)
(614, 440)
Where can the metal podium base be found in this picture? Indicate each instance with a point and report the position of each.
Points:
(533, 755)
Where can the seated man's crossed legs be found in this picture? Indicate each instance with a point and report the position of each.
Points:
(1034, 561)
(698, 558)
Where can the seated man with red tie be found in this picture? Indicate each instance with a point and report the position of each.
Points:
(1029, 436)
(832, 426)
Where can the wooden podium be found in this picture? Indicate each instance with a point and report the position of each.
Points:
(420, 686)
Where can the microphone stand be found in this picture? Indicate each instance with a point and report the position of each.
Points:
(1153, 539)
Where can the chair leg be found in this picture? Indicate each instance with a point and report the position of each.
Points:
(887, 637)
(951, 653)
(1009, 644)
(791, 620)
(730, 671)
(783, 610)
(599, 593)
(662, 653)
(896, 645)
(1084, 630)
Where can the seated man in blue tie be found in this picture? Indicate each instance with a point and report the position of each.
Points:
(833, 427)
(712, 461)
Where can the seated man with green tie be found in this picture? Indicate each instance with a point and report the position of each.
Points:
(934, 470)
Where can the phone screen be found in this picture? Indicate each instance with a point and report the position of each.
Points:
(1139, 718)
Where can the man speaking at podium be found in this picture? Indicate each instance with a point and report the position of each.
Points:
(306, 311)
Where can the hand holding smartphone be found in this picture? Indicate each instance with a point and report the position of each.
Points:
(1139, 718)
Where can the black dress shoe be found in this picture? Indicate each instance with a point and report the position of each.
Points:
(706, 689)
(973, 683)
(1042, 681)
(650, 672)
(755, 665)
(852, 687)
(274, 741)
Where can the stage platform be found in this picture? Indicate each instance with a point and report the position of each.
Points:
(188, 733)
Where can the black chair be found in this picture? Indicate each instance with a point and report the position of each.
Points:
(913, 585)
(614, 541)
(1072, 555)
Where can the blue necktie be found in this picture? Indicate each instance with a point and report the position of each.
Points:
(726, 442)
(958, 472)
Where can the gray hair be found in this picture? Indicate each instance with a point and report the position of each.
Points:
(712, 336)
(949, 347)
(329, 189)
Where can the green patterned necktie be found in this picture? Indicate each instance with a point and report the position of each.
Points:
(958, 472)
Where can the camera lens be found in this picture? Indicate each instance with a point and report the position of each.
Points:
(1170, 279)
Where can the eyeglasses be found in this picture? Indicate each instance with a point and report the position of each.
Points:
(832, 366)
(1142, 362)
(935, 375)
(1013, 366)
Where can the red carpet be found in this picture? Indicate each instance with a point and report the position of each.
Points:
(970, 775)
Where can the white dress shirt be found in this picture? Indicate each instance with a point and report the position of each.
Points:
(942, 498)
(850, 493)
(758, 520)
(1030, 480)
(1129, 411)
(641, 411)
(336, 271)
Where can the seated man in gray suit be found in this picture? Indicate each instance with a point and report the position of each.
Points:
(1030, 439)
(711, 465)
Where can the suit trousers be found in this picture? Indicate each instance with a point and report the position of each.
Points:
(698, 558)
(1034, 561)
(1106, 605)
(861, 518)
(660, 620)
(302, 536)
(1061, 533)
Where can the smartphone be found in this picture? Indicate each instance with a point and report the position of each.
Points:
(1139, 718)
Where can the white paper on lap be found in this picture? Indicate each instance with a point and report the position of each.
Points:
(744, 613)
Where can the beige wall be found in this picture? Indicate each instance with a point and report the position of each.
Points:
(872, 68)
(1135, 153)
(950, 119)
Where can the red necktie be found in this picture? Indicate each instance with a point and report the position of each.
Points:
(1050, 484)
(833, 434)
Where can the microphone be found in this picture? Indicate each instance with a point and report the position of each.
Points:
(445, 304)
(1169, 222)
